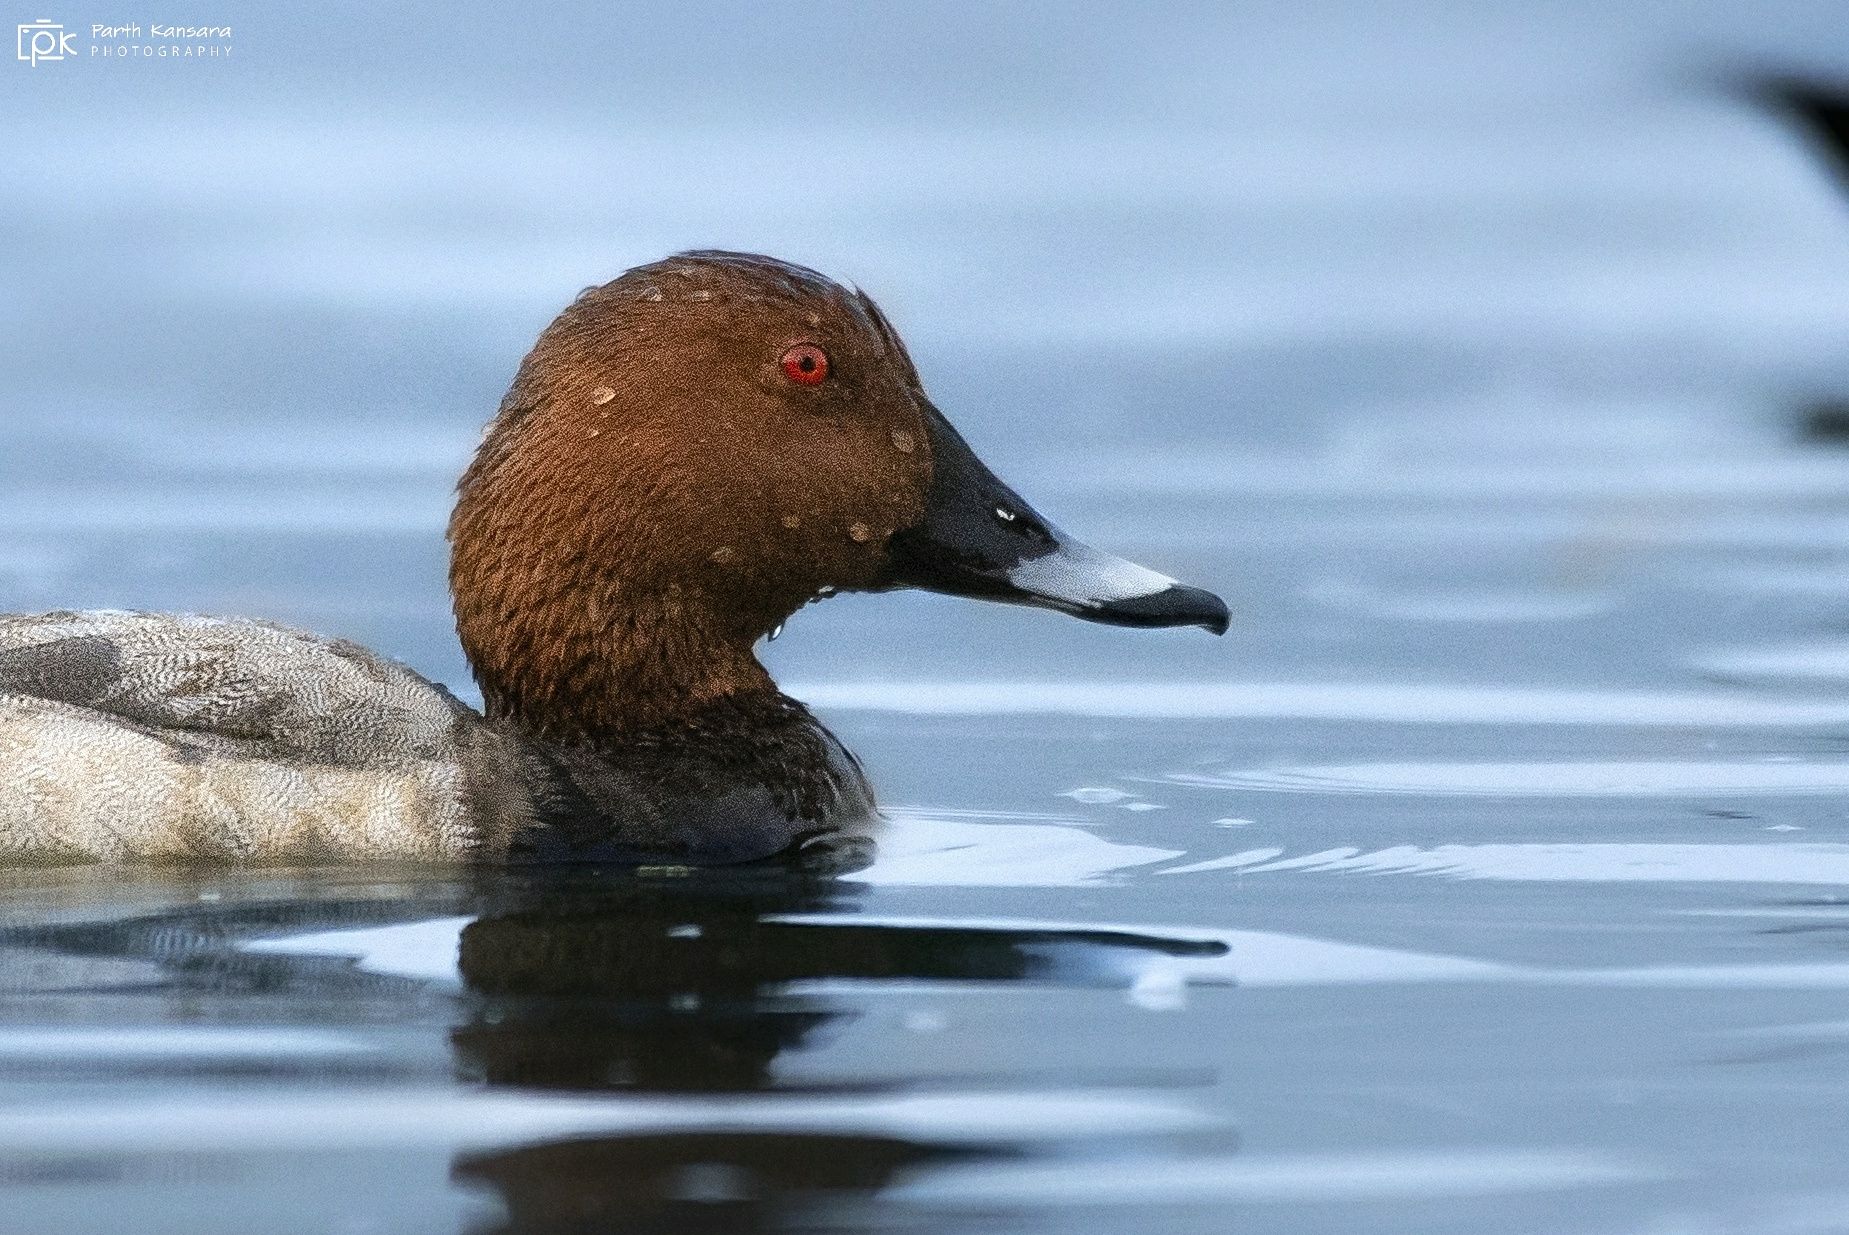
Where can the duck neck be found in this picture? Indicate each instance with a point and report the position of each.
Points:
(649, 671)
(654, 738)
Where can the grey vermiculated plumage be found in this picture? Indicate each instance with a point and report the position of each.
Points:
(169, 737)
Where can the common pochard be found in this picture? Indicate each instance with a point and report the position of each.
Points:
(689, 454)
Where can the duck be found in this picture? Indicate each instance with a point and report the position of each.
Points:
(688, 455)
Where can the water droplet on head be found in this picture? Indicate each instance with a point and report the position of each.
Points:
(903, 441)
(602, 395)
(859, 532)
(825, 591)
(1004, 514)
(774, 632)
(792, 521)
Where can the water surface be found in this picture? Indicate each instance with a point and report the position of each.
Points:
(1491, 875)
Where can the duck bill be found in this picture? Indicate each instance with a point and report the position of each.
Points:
(978, 538)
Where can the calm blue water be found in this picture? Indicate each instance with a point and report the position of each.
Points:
(1491, 875)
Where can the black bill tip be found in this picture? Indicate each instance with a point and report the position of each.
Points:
(1177, 605)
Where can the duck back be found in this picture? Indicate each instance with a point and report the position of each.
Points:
(167, 737)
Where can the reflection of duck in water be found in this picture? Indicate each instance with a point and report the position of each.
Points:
(728, 1183)
(706, 997)
(657, 988)
(679, 986)
(646, 984)
(689, 454)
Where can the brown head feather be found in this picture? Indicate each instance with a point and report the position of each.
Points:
(656, 493)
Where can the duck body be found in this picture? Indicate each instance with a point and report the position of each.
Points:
(689, 454)
(177, 738)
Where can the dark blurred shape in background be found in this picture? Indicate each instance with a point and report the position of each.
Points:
(1821, 109)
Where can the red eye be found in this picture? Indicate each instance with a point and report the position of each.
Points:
(805, 364)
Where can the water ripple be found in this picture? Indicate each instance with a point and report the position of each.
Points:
(1600, 779)
(1393, 703)
(1824, 864)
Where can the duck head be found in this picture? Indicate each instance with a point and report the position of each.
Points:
(695, 450)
